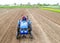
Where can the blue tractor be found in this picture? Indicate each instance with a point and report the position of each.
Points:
(24, 28)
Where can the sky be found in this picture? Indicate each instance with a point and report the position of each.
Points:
(31, 1)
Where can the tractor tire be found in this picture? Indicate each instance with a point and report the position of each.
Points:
(17, 36)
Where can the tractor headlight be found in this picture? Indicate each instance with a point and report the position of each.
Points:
(25, 31)
(21, 31)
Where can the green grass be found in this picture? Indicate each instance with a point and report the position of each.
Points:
(26, 6)
(52, 9)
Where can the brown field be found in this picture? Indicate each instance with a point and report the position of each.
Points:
(45, 25)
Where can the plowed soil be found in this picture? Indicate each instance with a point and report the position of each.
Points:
(45, 25)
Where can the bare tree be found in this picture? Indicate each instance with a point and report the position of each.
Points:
(57, 3)
(14, 3)
(29, 3)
